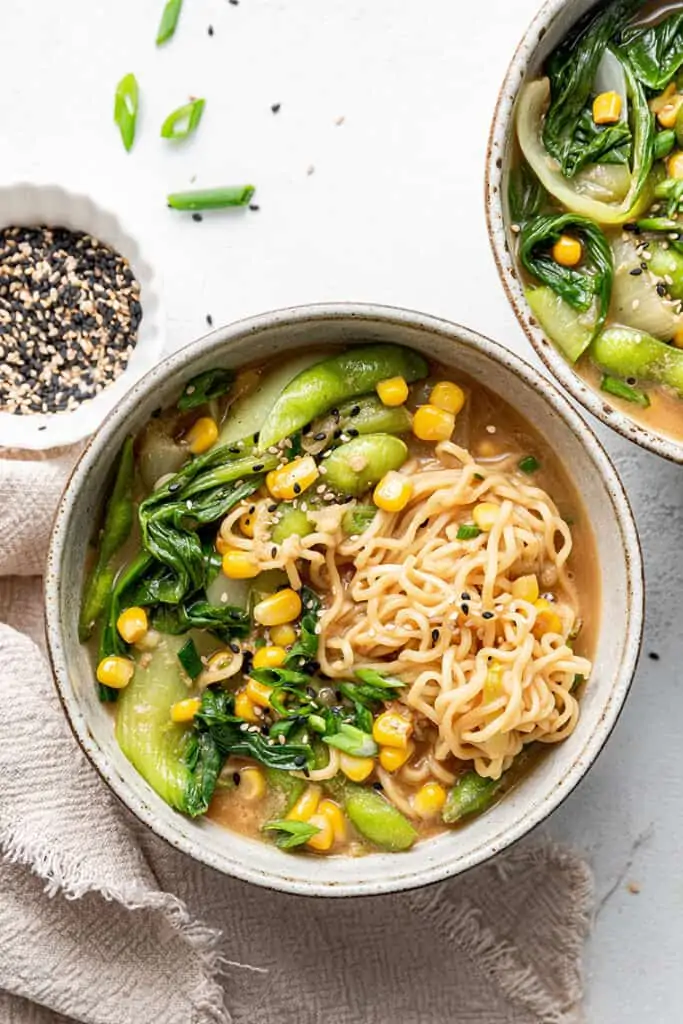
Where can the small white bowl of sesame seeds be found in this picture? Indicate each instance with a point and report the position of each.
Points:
(81, 317)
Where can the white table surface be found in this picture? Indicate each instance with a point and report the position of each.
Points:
(392, 212)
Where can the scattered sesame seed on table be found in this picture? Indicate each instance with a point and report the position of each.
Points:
(69, 314)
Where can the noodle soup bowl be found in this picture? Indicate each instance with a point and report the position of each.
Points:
(550, 26)
(618, 604)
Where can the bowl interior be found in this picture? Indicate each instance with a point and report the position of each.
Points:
(269, 337)
(28, 204)
(549, 27)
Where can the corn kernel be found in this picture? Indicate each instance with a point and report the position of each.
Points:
(324, 837)
(201, 435)
(185, 710)
(547, 619)
(334, 814)
(115, 671)
(607, 108)
(258, 693)
(567, 251)
(392, 391)
(275, 610)
(485, 515)
(432, 424)
(393, 492)
(356, 768)
(306, 805)
(674, 165)
(292, 479)
(493, 684)
(678, 337)
(447, 396)
(391, 758)
(244, 707)
(429, 799)
(239, 565)
(252, 784)
(132, 624)
(283, 636)
(669, 112)
(246, 524)
(392, 730)
(269, 657)
(525, 588)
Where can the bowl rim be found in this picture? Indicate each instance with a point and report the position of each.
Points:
(582, 760)
(494, 183)
(81, 207)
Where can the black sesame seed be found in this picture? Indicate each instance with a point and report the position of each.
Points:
(653, 656)
(435, 635)
(296, 488)
(235, 648)
(255, 207)
(354, 411)
(465, 596)
(300, 760)
(465, 609)
(234, 451)
(252, 509)
(337, 433)
(234, 2)
(273, 552)
(378, 786)
(633, 228)
(275, 107)
(352, 432)
(661, 289)
(306, 429)
(209, 319)
(636, 272)
(198, 217)
(643, 266)
(255, 437)
(487, 615)
(236, 778)
(257, 468)
(210, 30)
(272, 508)
(314, 666)
(320, 437)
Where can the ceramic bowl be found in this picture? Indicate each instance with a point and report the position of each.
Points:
(549, 27)
(29, 204)
(620, 603)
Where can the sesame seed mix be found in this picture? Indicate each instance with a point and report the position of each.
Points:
(69, 315)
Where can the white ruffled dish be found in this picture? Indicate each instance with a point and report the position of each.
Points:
(28, 204)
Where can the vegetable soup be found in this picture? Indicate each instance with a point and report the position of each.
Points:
(594, 205)
(340, 603)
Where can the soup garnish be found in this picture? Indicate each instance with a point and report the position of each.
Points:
(594, 201)
(332, 601)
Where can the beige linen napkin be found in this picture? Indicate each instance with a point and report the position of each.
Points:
(101, 922)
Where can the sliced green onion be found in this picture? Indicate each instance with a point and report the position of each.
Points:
(188, 657)
(126, 108)
(616, 387)
(211, 198)
(664, 143)
(183, 121)
(317, 723)
(528, 464)
(169, 21)
(353, 741)
(291, 833)
(658, 224)
(468, 531)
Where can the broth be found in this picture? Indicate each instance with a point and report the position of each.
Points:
(317, 704)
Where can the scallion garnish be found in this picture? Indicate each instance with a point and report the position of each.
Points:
(616, 387)
(188, 657)
(184, 121)
(528, 464)
(211, 198)
(291, 833)
(169, 21)
(467, 531)
(126, 108)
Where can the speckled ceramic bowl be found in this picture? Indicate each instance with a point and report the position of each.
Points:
(270, 337)
(549, 27)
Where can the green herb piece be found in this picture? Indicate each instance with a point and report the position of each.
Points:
(291, 833)
(357, 519)
(211, 198)
(618, 388)
(317, 723)
(306, 646)
(182, 122)
(169, 21)
(118, 521)
(353, 741)
(528, 464)
(670, 189)
(577, 681)
(579, 287)
(467, 531)
(471, 794)
(373, 687)
(664, 143)
(188, 656)
(126, 101)
(526, 194)
(658, 224)
(204, 387)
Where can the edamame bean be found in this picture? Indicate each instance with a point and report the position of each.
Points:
(358, 465)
